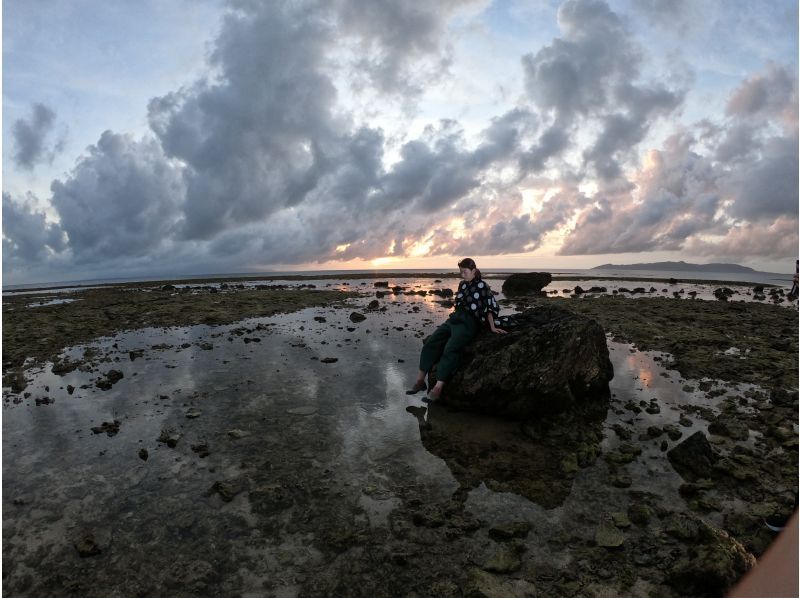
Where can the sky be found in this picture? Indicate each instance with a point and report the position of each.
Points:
(179, 137)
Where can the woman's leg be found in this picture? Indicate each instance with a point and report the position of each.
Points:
(462, 333)
(433, 349)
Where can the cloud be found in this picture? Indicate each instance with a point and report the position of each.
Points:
(675, 195)
(665, 13)
(28, 237)
(590, 74)
(400, 44)
(263, 162)
(121, 200)
(769, 95)
(775, 239)
(30, 138)
(766, 188)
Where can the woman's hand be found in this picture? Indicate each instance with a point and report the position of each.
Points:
(498, 330)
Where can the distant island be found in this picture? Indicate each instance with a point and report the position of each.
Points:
(677, 266)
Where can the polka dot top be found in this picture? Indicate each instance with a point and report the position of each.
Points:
(476, 297)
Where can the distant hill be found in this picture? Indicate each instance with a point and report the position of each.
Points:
(677, 266)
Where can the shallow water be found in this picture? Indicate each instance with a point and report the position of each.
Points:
(306, 459)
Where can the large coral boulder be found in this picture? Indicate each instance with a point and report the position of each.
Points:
(552, 360)
(526, 283)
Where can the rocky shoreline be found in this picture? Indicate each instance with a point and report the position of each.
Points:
(258, 440)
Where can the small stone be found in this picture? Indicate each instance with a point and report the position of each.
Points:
(237, 434)
(193, 413)
(305, 410)
(329, 360)
(620, 519)
(509, 531)
(201, 448)
(505, 560)
(169, 437)
(86, 545)
(608, 536)
(143, 455)
(357, 317)
(226, 490)
(639, 514)
(110, 428)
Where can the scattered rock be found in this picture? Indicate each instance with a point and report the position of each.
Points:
(526, 283)
(608, 535)
(169, 437)
(226, 490)
(193, 413)
(143, 454)
(86, 545)
(63, 366)
(693, 458)
(357, 317)
(509, 531)
(481, 584)
(329, 360)
(110, 428)
(305, 410)
(112, 377)
(505, 560)
(723, 293)
(730, 426)
(640, 514)
(237, 434)
(201, 448)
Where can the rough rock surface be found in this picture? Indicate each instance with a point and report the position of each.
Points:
(693, 458)
(550, 361)
(528, 282)
(714, 563)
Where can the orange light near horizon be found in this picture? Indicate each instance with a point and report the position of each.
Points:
(382, 261)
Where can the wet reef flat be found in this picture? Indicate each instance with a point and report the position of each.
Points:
(257, 440)
(42, 331)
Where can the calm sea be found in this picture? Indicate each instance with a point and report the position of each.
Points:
(758, 277)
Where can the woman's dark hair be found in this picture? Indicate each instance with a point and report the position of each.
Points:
(468, 262)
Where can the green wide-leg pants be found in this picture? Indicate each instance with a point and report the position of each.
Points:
(446, 343)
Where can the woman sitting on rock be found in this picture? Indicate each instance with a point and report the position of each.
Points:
(475, 306)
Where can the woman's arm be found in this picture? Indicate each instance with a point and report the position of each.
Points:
(492, 327)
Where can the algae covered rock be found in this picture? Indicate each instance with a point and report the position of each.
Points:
(551, 361)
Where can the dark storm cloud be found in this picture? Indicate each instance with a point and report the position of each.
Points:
(27, 235)
(31, 138)
(121, 200)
